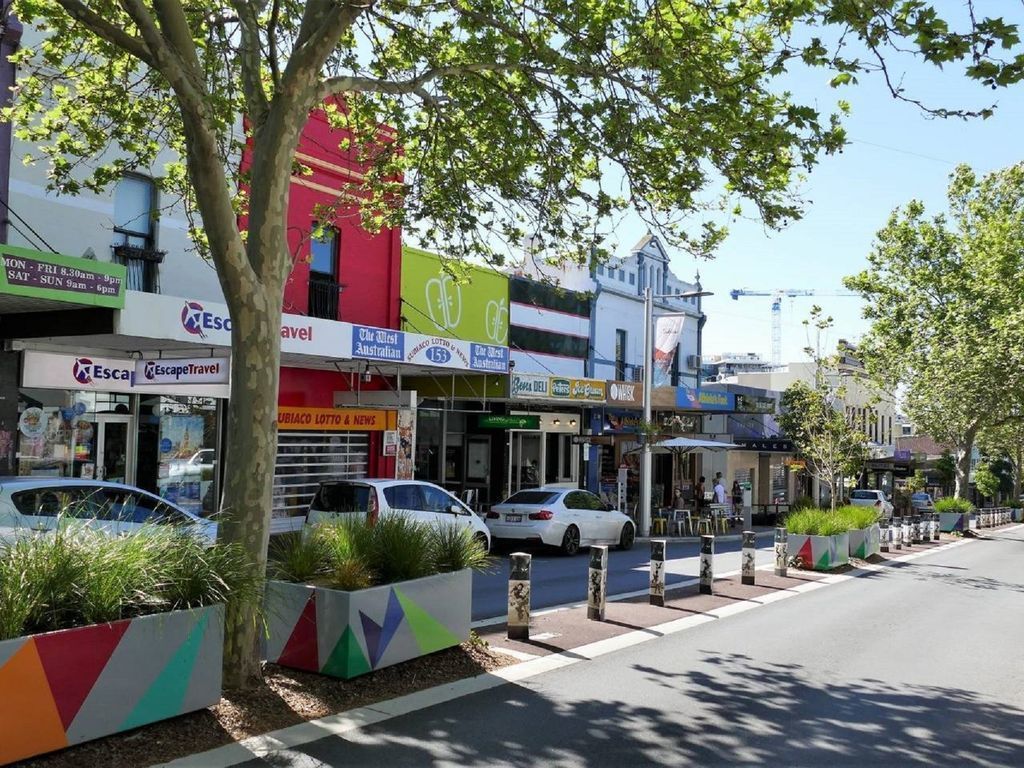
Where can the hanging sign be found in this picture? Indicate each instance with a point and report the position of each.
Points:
(203, 370)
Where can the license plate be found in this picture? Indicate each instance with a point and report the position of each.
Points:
(513, 518)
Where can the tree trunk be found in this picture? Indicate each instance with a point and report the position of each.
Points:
(251, 453)
(962, 470)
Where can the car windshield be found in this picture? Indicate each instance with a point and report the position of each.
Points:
(864, 495)
(921, 497)
(531, 497)
(342, 497)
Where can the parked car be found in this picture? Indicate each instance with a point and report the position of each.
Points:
(38, 503)
(921, 502)
(871, 498)
(372, 498)
(566, 518)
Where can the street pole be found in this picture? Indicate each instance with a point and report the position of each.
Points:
(645, 455)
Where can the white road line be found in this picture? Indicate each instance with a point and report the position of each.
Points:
(356, 719)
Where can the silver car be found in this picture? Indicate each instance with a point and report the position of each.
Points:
(566, 518)
(40, 503)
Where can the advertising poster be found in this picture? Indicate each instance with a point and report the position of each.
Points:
(405, 466)
(181, 438)
(666, 341)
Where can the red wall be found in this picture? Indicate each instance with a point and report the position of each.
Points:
(369, 264)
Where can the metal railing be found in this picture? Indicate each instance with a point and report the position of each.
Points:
(324, 295)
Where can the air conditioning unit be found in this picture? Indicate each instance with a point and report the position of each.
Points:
(693, 362)
(638, 373)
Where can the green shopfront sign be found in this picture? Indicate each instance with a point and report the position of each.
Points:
(34, 274)
(472, 306)
(497, 421)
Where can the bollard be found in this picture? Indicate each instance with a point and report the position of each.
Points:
(749, 557)
(883, 535)
(781, 555)
(915, 527)
(707, 569)
(926, 528)
(897, 533)
(907, 540)
(597, 580)
(937, 526)
(519, 596)
(657, 592)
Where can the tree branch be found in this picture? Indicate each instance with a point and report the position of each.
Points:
(249, 55)
(107, 31)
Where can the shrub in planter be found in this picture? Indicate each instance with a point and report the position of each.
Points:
(954, 514)
(865, 535)
(100, 634)
(818, 539)
(352, 597)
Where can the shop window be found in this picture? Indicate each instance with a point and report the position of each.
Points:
(428, 444)
(324, 289)
(134, 243)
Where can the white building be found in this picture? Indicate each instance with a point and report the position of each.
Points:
(724, 366)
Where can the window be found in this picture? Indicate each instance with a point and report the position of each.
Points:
(632, 278)
(342, 497)
(134, 241)
(674, 369)
(620, 354)
(323, 251)
(622, 275)
(436, 500)
(324, 289)
(401, 497)
(531, 497)
(576, 500)
(600, 269)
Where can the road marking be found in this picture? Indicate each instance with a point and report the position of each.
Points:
(356, 719)
(516, 654)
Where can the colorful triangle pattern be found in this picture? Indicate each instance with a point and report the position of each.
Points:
(806, 554)
(73, 661)
(301, 651)
(346, 659)
(377, 636)
(30, 723)
(431, 635)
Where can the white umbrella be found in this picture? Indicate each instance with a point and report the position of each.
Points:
(682, 445)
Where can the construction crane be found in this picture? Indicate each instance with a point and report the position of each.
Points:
(778, 294)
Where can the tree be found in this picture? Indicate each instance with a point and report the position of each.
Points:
(501, 120)
(986, 481)
(943, 296)
(916, 482)
(813, 418)
(1006, 440)
(945, 468)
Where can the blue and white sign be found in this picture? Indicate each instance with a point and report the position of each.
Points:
(386, 345)
(378, 344)
(688, 398)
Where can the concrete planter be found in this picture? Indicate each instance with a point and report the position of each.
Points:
(865, 542)
(347, 634)
(820, 553)
(951, 521)
(74, 685)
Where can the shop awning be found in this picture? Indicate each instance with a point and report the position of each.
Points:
(682, 445)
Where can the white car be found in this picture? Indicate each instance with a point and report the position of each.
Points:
(870, 498)
(417, 499)
(567, 518)
(39, 503)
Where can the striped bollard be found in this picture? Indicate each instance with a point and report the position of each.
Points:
(781, 555)
(657, 591)
(519, 596)
(897, 533)
(907, 540)
(749, 557)
(915, 527)
(883, 535)
(926, 528)
(936, 526)
(597, 582)
(707, 568)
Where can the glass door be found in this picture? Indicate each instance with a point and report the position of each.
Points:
(113, 448)
(526, 467)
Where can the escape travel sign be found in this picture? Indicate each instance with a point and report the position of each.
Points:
(24, 272)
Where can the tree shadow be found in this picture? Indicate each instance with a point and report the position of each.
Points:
(728, 709)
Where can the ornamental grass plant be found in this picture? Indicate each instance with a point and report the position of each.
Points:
(954, 505)
(352, 554)
(823, 522)
(75, 576)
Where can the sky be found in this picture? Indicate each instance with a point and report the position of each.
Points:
(896, 154)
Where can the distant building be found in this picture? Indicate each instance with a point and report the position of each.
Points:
(729, 364)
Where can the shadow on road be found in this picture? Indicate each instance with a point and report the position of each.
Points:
(743, 711)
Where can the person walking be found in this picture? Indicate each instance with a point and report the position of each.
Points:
(719, 491)
(737, 494)
(698, 493)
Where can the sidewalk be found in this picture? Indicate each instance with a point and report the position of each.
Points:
(734, 534)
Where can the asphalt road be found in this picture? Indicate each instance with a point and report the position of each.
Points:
(557, 580)
(917, 665)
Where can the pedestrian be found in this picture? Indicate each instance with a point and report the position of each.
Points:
(698, 493)
(737, 494)
(719, 491)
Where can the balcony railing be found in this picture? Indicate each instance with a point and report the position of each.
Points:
(142, 265)
(324, 292)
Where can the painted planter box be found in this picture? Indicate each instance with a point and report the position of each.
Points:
(347, 634)
(820, 553)
(66, 687)
(865, 542)
(951, 521)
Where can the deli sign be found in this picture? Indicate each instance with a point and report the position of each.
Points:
(204, 370)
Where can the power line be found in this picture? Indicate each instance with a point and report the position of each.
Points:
(903, 151)
(29, 226)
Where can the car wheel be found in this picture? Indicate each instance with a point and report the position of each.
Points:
(627, 537)
(571, 541)
(479, 537)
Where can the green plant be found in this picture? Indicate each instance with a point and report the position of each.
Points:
(400, 549)
(453, 548)
(953, 504)
(858, 517)
(802, 502)
(74, 576)
(299, 559)
(815, 522)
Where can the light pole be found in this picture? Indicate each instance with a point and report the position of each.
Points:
(645, 454)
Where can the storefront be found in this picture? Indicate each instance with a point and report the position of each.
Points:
(151, 423)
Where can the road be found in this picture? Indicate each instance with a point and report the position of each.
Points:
(914, 665)
(557, 580)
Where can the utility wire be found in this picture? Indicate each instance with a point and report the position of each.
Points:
(29, 226)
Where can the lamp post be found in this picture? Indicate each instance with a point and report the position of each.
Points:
(645, 455)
